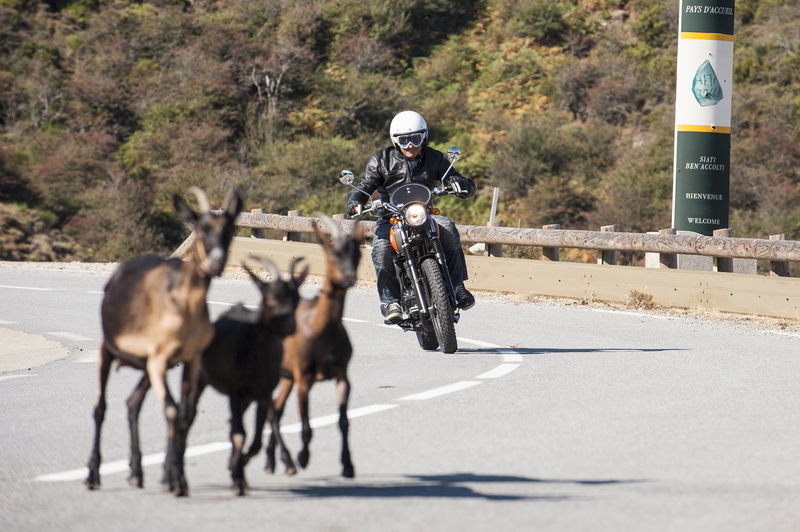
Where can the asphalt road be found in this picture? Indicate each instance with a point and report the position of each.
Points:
(549, 417)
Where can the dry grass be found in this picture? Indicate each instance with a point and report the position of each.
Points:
(641, 300)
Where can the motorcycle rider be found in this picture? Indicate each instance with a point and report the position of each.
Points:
(410, 160)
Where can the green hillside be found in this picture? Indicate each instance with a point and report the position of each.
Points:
(109, 107)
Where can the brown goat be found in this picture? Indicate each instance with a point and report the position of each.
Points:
(320, 348)
(154, 316)
(243, 361)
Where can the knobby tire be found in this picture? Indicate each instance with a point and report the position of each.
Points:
(441, 312)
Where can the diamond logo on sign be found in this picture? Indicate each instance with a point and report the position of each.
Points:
(705, 86)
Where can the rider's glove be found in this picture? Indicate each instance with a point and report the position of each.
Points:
(455, 184)
(354, 208)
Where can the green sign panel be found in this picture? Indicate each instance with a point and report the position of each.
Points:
(707, 16)
(702, 181)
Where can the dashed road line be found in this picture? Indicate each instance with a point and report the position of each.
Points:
(70, 336)
(119, 466)
(35, 288)
(500, 371)
(442, 390)
(9, 377)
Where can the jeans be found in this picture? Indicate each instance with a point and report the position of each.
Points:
(382, 252)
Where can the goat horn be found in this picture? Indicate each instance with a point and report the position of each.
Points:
(293, 264)
(202, 199)
(271, 267)
(332, 227)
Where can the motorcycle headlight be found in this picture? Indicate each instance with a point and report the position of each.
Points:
(416, 214)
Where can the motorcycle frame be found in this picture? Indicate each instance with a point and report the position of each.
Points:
(408, 256)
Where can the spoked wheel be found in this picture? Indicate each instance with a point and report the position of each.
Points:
(441, 312)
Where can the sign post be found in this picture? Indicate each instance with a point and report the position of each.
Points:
(703, 95)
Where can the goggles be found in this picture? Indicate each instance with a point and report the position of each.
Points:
(412, 139)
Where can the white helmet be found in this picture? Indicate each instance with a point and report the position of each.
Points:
(408, 128)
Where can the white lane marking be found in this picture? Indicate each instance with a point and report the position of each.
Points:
(71, 336)
(223, 303)
(443, 390)
(477, 342)
(786, 333)
(6, 322)
(86, 360)
(332, 419)
(32, 288)
(9, 377)
(509, 355)
(499, 371)
(630, 313)
(354, 320)
(95, 292)
(121, 466)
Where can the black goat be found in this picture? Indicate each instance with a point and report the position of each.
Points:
(243, 361)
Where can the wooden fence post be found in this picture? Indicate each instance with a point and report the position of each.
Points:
(723, 264)
(668, 260)
(778, 267)
(292, 236)
(550, 253)
(255, 232)
(607, 256)
(495, 250)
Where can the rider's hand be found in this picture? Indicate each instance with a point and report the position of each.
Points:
(455, 185)
(354, 208)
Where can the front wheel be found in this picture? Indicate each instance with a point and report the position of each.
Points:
(441, 312)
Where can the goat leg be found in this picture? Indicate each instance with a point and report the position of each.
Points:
(173, 479)
(303, 387)
(286, 457)
(277, 414)
(136, 477)
(343, 395)
(258, 434)
(103, 367)
(236, 463)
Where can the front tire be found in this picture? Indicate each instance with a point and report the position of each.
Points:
(427, 337)
(441, 311)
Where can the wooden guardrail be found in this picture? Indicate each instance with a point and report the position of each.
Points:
(668, 244)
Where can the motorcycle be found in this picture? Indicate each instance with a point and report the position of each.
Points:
(428, 299)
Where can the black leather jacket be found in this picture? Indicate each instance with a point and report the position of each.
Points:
(387, 169)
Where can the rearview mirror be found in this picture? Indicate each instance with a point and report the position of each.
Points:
(453, 154)
(346, 177)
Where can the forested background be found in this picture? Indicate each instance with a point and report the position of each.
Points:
(108, 107)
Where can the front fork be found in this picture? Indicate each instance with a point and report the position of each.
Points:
(412, 260)
(413, 267)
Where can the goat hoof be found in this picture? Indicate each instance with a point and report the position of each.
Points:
(302, 458)
(136, 481)
(92, 483)
(291, 470)
(348, 471)
(240, 488)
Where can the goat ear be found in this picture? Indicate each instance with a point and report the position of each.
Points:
(183, 209)
(234, 202)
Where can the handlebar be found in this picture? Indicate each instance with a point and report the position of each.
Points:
(378, 207)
